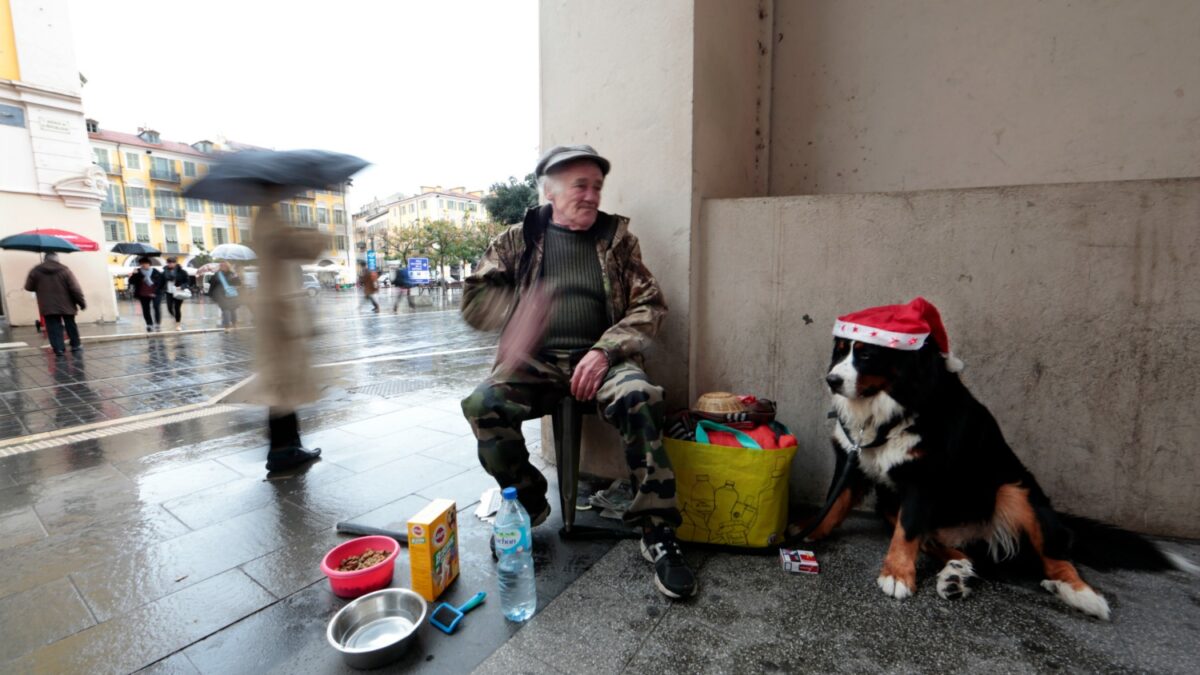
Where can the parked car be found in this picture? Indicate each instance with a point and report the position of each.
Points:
(311, 285)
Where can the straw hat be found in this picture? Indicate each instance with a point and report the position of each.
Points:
(719, 402)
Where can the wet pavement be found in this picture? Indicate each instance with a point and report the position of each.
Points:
(164, 546)
(117, 378)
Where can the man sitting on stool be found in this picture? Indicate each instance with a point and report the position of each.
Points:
(568, 281)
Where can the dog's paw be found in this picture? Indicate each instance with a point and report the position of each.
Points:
(1084, 599)
(957, 580)
(796, 528)
(893, 587)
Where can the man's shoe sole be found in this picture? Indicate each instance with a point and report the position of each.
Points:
(658, 584)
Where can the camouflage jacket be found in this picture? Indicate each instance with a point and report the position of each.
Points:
(513, 262)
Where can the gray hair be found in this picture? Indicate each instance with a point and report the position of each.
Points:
(547, 184)
(51, 256)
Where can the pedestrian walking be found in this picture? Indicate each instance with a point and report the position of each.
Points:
(176, 288)
(402, 280)
(147, 285)
(370, 285)
(58, 294)
(222, 288)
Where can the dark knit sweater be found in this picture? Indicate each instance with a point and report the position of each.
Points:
(572, 267)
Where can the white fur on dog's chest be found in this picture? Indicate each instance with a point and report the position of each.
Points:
(874, 462)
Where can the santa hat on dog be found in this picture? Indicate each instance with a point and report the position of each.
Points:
(902, 327)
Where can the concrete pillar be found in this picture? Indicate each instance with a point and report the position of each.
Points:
(622, 76)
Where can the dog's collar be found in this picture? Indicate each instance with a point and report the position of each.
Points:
(881, 432)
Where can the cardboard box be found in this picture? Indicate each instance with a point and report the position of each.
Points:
(433, 548)
(797, 561)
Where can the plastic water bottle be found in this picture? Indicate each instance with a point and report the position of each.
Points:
(518, 589)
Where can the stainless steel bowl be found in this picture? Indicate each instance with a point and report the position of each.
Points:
(377, 628)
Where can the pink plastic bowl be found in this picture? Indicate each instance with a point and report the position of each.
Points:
(360, 582)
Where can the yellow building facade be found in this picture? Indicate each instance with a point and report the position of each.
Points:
(144, 203)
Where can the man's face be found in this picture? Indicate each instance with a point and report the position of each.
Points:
(145, 265)
(577, 199)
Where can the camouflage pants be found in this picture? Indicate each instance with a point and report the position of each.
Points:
(626, 399)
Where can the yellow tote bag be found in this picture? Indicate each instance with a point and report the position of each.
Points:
(730, 496)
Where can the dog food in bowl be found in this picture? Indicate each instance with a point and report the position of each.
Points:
(368, 558)
(353, 583)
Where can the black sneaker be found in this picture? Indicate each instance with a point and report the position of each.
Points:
(671, 573)
(290, 458)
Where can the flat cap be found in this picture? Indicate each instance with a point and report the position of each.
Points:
(561, 154)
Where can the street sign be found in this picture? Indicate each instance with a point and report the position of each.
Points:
(418, 270)
(371, 263)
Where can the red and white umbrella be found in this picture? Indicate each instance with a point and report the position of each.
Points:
(81, 242)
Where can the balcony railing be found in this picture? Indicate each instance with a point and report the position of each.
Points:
(112, 207)
(166, 175)
(168, 212)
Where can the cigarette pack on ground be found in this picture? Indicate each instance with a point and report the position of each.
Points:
(797, 561)
(433, 548)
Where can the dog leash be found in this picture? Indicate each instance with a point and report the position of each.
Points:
(839, 483)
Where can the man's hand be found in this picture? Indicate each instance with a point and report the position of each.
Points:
(588, 375)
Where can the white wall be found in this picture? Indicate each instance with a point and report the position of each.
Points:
(877, 95)
(45, 45)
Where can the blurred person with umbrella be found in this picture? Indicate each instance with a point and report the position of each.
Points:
(147, 284)
(42, 241)
(58, 294)
(261, 178)
(222, 290)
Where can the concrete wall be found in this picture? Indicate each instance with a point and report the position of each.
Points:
(90, 269)
(877, 95)
(1072, 305)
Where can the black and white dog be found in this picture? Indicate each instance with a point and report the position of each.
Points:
(944, 476)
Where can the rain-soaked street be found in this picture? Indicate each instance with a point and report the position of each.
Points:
(139, 531)
(137, 527)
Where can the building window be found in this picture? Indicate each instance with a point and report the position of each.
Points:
(114, 230)
(340, 242)
(137, 197)
(219, 209)
(285, 211)
(304, 214)
(101, 157)
(132, 160)
(162, 165)
(171, 235)
(220, 235)
(166, 199)
(243, 211)
(243, 235)
(322, 214)
(143, 232)
(339, 217)
(189, 169)
(198, 238)
(194, 205)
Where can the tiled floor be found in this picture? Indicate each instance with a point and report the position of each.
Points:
(167, 548)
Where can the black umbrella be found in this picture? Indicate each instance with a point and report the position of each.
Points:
(259, 177)
(39, 243)
(135, 248)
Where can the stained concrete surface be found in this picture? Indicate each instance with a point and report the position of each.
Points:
(166, 549)
(751, 617)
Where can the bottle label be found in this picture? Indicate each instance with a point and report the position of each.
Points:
(510, 540)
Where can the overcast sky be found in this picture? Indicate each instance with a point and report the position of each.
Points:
(440, 92)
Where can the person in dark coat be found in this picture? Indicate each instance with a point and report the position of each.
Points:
(147, 284)
(222, 289)
(58, 294)
(402, 280)
(175, 287)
